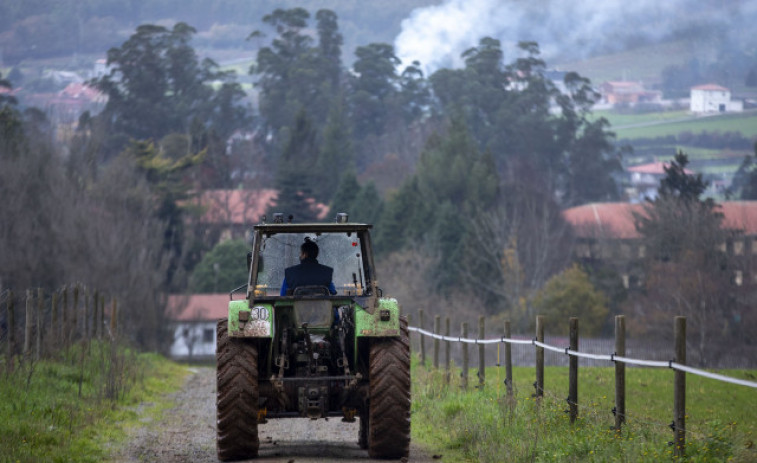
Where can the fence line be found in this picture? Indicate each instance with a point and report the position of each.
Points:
(47, 324)
(678, 364)
(606, 357)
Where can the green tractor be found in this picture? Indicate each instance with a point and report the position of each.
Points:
(317, 351)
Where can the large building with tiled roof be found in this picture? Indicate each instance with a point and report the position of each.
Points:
(607, 232)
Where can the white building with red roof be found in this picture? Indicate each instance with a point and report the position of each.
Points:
(644, 180)
(713, 98)
(193, 319)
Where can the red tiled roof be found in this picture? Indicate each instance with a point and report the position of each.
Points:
(197, 307)
(603, 220)
(740, 215)
(242, 207)
(711, 87)
(78, 90)
(653, 168)
(615, 220)
(235, 206)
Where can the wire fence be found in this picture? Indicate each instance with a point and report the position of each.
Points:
(570, 355)
(602, 357)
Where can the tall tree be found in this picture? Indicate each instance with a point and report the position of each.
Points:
(336, 155)
(285, 80)
(744, 183)
(330, 42)
(294, 178)
(374, 87)
(453, 180)
(158, 86)
(687, 272)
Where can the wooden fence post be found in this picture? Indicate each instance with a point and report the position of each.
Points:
(464, 372)
(52, 337)
(64, 318)
(573, 374)
(508, 361)
(481, 359)
(85, 318)
(539, 357)
(620, 372)
(447, 345)
(101, 317)
(11, 331)
(95, 311)
(114, 318)
(40, 306)
(423, 339)
(74, 317)
(437, 331)
(28, 323)
(679, 408)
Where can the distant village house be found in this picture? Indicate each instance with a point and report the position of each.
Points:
(712, 98)
(193, 320)
(628, 93)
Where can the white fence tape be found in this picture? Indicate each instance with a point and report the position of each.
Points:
(609, 358)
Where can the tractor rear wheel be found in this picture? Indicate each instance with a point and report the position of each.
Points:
(389, 396)
(237, 396)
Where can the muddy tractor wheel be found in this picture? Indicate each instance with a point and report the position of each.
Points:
(389, 397)
(237, 396)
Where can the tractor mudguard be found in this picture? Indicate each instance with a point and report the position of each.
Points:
(250, 322)
(381, 323)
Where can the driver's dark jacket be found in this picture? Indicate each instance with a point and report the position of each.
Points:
(307, 273)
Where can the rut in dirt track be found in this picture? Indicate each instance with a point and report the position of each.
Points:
(187, 433)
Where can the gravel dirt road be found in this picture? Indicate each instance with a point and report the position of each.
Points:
(187, 432)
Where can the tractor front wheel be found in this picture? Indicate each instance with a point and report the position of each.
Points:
(237, 396)
(389, 397)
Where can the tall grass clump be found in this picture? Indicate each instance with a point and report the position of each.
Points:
(73, 407)
(485, 425)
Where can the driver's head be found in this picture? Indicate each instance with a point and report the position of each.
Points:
(309, 249)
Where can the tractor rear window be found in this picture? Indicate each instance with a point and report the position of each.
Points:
(340, 251)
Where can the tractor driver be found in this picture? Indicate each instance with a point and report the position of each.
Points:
(308, 272)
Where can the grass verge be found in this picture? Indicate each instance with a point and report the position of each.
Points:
(75, 408)
(484, 425)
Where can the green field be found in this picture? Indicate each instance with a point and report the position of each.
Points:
(483, 425)
(745, 123)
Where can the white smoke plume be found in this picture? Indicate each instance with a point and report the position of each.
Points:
(564, 29)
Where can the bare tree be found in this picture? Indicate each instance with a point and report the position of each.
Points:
(515, 248)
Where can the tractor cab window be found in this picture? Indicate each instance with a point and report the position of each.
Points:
(340, 251)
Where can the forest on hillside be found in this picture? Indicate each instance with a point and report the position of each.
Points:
(464, 173)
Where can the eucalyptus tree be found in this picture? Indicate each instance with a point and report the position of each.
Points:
(157, 85)
(294, 72)
(374, 87)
